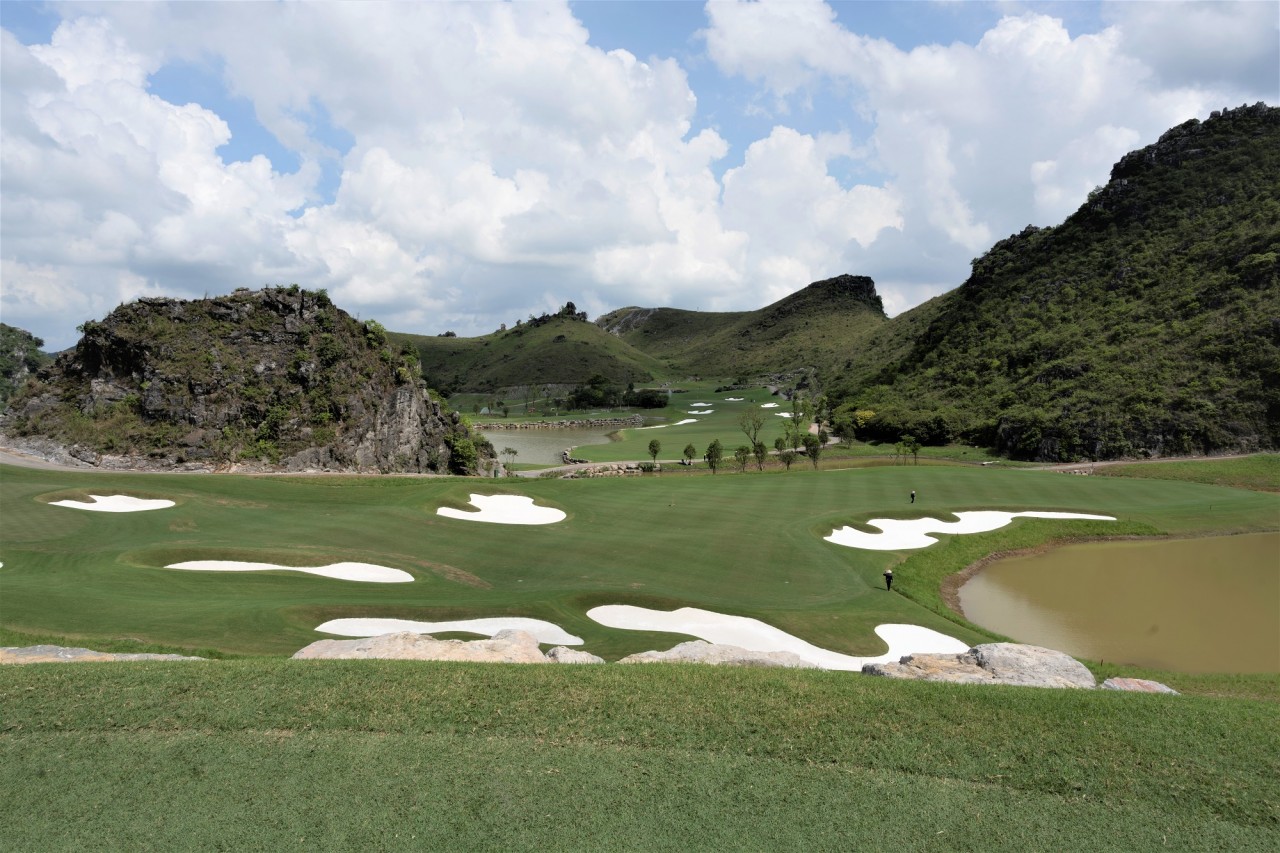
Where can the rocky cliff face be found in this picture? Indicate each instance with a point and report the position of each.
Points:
(278, 378)
(20, 357)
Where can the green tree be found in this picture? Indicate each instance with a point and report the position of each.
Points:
(751, 422)
(690, 453)
(510, 453)
(787, 457)
(912, 446)
(655, 447)
(742, 455)
(714, 455)
(813, 448)
(761, 453)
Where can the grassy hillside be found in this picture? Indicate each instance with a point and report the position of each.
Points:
(562, 350)
(1144, 324)
(395, 755)
(817, 327)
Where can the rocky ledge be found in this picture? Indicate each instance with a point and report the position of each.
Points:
(504, 647)
(700, 651)
(65, 654)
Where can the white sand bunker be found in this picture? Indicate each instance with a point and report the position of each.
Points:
(734, 399)
(768, 405)
(506, 509)
(785, 414)
(758, 636)
(546, 632)
(699, 404)
(115, 503)
(364, 572)
(701, 412)
(900, 534)
(677, 423)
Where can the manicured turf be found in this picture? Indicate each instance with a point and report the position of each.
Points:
(267, 753)
(744, 544)
(344, 755)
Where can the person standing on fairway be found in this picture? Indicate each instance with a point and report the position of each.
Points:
(888, 580)
(913, 495)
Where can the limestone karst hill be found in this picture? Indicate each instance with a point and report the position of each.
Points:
(279, 378)
(20, 357)
(1146, 324)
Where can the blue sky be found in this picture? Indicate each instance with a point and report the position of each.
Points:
(457, 166)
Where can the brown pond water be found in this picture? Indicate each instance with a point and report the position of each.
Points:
(1186, 605)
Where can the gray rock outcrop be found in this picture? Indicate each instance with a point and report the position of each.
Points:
(504, 647)
(275, 379)
(992, 663)
(1137, 685)
(700, 651)
(67, 654)
(560, 654)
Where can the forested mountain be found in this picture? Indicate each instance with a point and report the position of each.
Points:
(816, 327)
(278, 377)
(1146, 323)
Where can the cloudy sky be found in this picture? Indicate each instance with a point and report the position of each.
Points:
(442, 166)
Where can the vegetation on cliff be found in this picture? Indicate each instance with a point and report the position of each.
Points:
(279, 376)
(1148, 323)
(20, 357)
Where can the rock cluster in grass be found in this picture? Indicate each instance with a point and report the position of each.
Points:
(700, 651)
(617, 469)
(581, 423)
(64, 654)
(1137, 685)
(504, 647)
(992, 663)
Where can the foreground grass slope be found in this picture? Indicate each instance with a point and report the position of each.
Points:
(399, 755)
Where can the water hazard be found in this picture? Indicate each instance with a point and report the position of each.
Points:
(1187, 605)
(544, 446)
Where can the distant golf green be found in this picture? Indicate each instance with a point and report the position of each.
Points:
(749, 545)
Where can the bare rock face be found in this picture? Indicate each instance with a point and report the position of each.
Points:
(700, 651)
(560, 654)
(504, 647)
(1137, 685)
(274, 379)
(992, 663)
(65, 654)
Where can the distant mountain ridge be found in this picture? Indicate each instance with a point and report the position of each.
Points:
(813, 327)
(561, 349)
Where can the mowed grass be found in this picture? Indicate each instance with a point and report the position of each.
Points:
(345, 755)
(1260, 471)
(267, 753)
(749, 545)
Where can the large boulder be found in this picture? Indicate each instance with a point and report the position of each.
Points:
(505, 647)
(700, 651)
(992, 663)
(67, 654)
